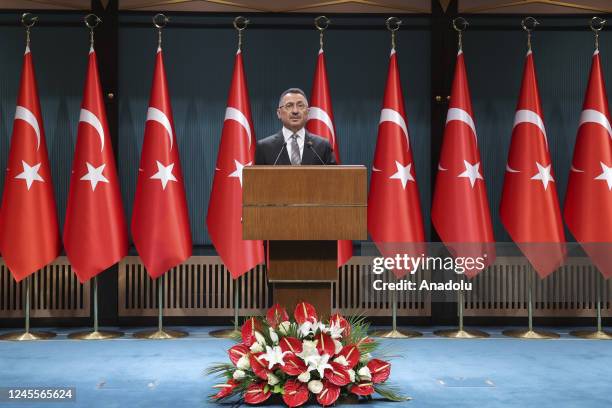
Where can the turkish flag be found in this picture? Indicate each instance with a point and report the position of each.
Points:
(237, 150)
(95, 232)
(321, 122)
(394, 207)
(29, 234)
(460, 210)
(588, 201)
(529, 205)
(160, 221)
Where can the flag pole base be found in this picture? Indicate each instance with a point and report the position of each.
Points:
(530, 334)
(27, 336)
(225, 333)
(462, 334)
(592, 334)
(95, 335)
(160, 334)
(396, 334)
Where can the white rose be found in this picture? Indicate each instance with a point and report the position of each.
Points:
(352, 375)
(256, 348)
(284, 327)
(338, 346)
(243, 363)
(364, 373)
(315, 386)
(239, 375)
(304, 377)
(341, 360)
(260, 338)
(272, 379)
(273, 336)
(365, 358)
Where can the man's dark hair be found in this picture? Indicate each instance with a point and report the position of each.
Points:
(291, 90)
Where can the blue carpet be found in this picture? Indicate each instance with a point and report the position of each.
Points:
(435, 372)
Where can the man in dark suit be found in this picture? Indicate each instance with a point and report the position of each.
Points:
(293, 144)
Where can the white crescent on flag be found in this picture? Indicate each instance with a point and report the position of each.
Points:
(390, 115)
(511, 170)
(441, 168)
(238, 116)
(156, 115)
(594, 116)
(529, 116)
(26, 115)
(316, 113)
(88, 117)
(572, 168)
(462, 116)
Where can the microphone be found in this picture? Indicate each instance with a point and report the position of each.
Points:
(309, 144)
(279, 153)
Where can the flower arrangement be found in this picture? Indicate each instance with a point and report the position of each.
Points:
(303, 358)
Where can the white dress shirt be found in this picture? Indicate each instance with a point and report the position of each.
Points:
(300, 140)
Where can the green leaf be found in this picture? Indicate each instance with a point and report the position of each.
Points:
(390, 393)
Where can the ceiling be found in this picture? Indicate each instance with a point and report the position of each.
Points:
(328, 6)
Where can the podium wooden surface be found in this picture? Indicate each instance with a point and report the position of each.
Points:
(302, 211)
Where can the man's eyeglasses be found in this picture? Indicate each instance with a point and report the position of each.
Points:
(290, 106)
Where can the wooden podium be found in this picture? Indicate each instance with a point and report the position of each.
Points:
(302, 211)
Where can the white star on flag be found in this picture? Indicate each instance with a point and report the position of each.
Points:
(30, 174)
(471, 172)
(238, 172)
(403, 173)
(94, 175)
(605, 175)
(164, 174)
(543, 175)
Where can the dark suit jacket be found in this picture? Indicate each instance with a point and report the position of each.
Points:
(269, 148)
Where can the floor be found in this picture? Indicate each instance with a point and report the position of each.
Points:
(435, 372)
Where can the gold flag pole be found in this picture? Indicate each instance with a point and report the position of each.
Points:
(530, 333)
(160, 21)
(92, 21)
(240, 24)
(160, 333)
(393, 24)
(596, 25)
(28, 21)
(460, 24)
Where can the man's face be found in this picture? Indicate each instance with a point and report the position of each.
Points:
(293, 111)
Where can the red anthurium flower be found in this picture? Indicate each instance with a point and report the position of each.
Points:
(338, 375)
(225, 389)
(304, 312)
(255, 393)
(338, 320)
(351, 354)
(296, 393)
(329, 394)
(364, 388)
(259, 365)
(237, 351)
(293, 365)
(248, 331)
(325, 344)
(380, 370)
(275, 315)
(290, 344)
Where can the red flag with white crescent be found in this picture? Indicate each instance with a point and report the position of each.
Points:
(529, 205)
(588, 200)
(95, 232)
(160, 221)
(460, 209)
(394, 207)
(29, 234)
(321, 123)
(237, 150)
